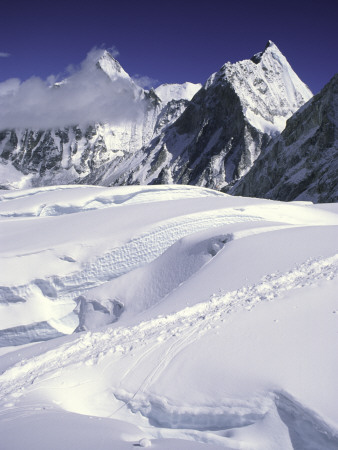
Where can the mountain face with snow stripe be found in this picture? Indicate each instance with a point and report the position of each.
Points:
(301, 163)
(208, 136)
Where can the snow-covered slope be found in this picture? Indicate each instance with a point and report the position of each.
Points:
(169, 92)
(205, 320)
(301, 163)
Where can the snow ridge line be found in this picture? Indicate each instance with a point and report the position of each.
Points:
(143, 250)
(201, 317)
(140, 250)
(230, 413)
(103, 198)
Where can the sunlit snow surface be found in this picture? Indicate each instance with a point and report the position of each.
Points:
(209, 321)
(168, 92)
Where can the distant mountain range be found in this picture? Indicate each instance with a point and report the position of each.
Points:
(253, 129)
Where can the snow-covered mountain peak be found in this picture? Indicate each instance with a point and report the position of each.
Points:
(258, 56)
(111, 66)
(163, 137)
(272, 58)
(269, 89)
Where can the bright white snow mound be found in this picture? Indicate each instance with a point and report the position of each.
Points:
(169, 92)
(206, 321)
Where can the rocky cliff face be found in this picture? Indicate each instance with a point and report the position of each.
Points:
(210, 144)
(301, 163)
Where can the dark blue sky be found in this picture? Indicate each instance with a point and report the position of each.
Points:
(173, 41)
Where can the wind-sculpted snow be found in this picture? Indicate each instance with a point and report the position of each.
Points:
(306, 429)
(199, 317)
(115, 263)
(41, 201)
(180, 328)
(173, 334)
(47, 298)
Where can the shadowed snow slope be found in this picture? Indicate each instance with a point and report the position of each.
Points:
(206, 321)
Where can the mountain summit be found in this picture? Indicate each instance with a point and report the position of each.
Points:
(258, 56)
(111, 66)
(269, 89)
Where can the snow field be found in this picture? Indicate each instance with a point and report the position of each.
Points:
(226, 337)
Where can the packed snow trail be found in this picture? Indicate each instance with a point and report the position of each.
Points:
(192, 321)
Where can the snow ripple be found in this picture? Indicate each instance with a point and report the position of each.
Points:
(140, 250)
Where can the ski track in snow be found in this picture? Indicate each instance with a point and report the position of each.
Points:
(177, 330)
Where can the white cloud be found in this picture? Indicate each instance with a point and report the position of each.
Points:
(9, 87)
(4, 55)
(113, 51)
(144, 81)
(88, 95)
